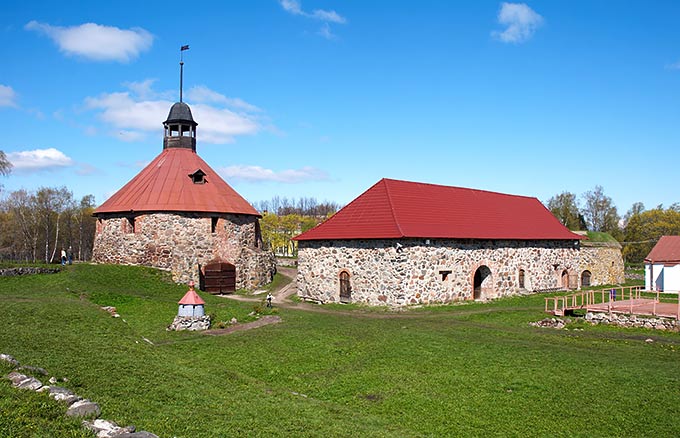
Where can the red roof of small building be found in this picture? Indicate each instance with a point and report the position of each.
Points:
(191, 298)
(166, 185)
(666, 250)
(396, 209)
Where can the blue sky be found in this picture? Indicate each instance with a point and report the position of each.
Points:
(323, 98)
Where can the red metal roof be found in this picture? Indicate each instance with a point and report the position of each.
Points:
(191, 297)
(395, 209)
(666, 250)
(166, 185)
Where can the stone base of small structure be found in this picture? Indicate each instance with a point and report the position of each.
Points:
(191, 323)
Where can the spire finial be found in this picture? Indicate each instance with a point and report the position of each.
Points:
(181, 69)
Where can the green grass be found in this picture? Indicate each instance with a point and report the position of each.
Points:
(599, 236)
(456, 370)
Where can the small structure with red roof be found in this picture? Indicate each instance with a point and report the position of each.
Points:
(662, 265)
(403, 242)
(191, 314)
(178, 214)
(191, 304)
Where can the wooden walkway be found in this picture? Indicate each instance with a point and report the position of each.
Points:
(627, 300)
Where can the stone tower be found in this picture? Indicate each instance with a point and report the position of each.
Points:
(178, 214)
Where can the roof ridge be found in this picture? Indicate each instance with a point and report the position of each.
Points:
(460, 188)
(389, 200)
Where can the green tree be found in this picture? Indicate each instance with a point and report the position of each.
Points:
(565, 208)
(644, 228)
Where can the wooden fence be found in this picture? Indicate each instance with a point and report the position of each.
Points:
(625, 299)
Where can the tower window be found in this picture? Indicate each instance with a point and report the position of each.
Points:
(198, 177)
(213, 224)
(129, 225)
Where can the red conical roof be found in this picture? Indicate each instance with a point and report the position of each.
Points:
(191, 297)
(393, 209)
(166, 184)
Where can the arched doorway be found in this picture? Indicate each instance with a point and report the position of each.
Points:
(482, 283)
(521, 279)
(345, 288)
(565, 279)
(585, 278)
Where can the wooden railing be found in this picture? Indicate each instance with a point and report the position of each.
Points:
(558, 305)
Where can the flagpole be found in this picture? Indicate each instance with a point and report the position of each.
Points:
(181, 70)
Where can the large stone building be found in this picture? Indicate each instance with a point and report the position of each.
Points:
(404, 243)
(178, 214)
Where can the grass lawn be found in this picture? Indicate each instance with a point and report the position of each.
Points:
(459, 370)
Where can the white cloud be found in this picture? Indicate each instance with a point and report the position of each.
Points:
(259, 174)
(675, 66)
(325, 32)
(220, 125)
(39, 159)
(520, 20)
(203, 94)
(331, 16)
(7, 96)
(129, 113)
(327, 16)
(97, 42)
(292, 6)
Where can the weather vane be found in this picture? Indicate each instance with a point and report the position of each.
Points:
(181, 69)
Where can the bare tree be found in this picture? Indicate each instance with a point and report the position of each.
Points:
(51, 204)
(5, 165)
(22, 225)
(599, 211)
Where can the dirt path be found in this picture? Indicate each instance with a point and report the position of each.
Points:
(265, 320)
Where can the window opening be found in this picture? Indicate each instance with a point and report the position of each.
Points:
(198, 177)
(585, 278)
(521, 278)
(130, 228)
(213, 224)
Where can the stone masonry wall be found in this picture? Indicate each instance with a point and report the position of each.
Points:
(181, 242)
(440, 272)
(604, 261)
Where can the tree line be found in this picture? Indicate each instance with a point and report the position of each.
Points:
(311, 207)
(637, 231)
(36, 225)
(284, 218)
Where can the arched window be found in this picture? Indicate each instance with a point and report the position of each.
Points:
(521, 279)
(565, 279)
(585, 278)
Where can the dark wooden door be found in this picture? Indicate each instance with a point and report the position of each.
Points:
(345, 288)
(219, 277)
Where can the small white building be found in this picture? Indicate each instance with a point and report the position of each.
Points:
(662, 265)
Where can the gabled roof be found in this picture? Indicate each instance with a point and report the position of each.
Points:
(166, 185)
(191, 298)
(395, 209)
(666, 250)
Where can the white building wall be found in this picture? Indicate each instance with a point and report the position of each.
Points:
(654, 275)
(671, 278)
